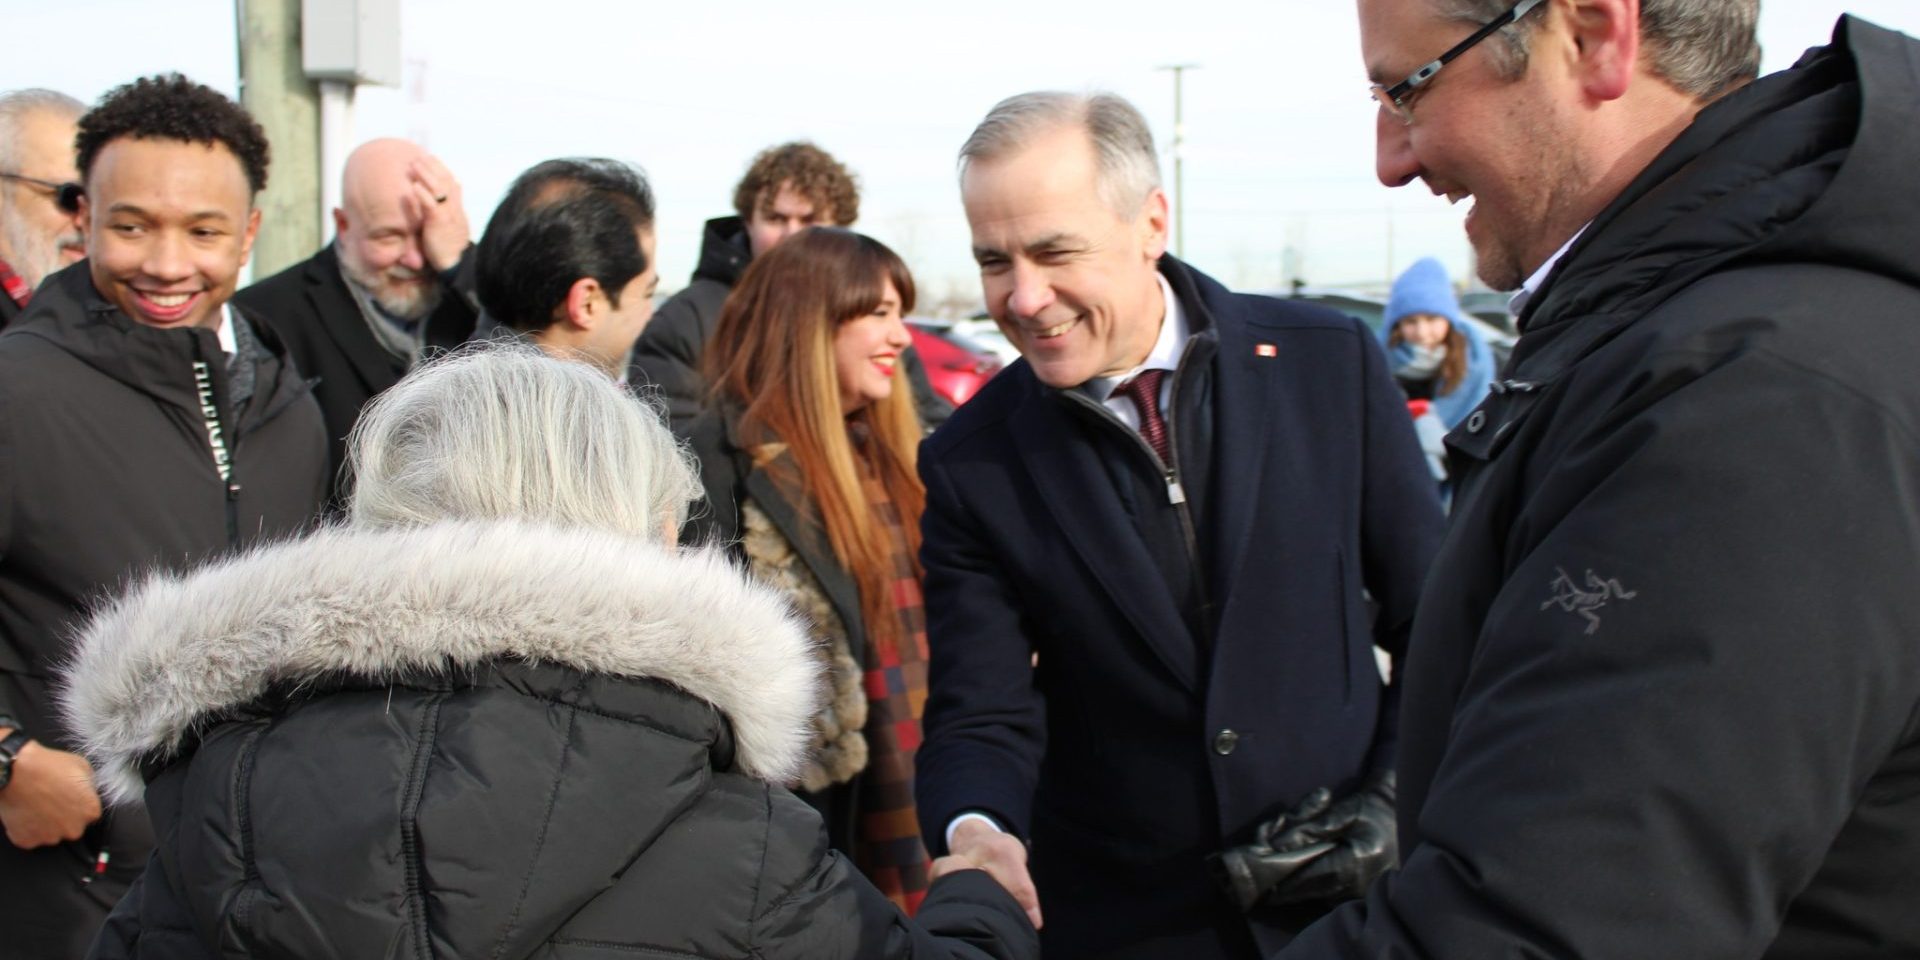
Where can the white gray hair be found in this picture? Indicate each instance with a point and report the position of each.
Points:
(500, 430)
(17, 105)
(1122, 142)
(1704, 48)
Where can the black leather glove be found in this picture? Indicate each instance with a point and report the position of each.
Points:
(1323, 849)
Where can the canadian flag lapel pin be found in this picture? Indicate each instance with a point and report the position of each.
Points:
(1265, 350)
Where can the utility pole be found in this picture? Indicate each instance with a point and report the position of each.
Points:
(275, 89)
(1179, 174)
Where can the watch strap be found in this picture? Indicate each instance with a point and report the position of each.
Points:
(10, 748)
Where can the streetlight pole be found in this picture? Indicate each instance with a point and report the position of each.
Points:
(1179, 179)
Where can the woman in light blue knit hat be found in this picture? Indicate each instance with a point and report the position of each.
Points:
(1435, 355)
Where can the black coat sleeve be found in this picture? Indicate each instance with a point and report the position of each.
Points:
(453, 323)
(834, 913)
(1401, 524)
(1660, 773)
(984, 724)
(666, 358)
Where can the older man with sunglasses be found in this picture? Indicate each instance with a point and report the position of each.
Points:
(39, 198)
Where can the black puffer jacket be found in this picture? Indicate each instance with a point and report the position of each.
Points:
(481, 740)
(1663, 694)
(666, 358)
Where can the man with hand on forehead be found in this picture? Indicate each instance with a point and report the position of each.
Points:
(396, 283)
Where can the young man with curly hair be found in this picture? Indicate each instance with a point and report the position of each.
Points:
(788, 188)
(148, 425)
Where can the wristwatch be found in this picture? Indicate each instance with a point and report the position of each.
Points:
(9, 749)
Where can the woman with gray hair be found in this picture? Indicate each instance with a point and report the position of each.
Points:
(495, 713)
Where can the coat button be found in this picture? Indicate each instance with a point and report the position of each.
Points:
(1225, 741)
(1477, 422)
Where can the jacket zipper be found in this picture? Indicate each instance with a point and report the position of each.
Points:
(1169, 472)
(217, 445)
(1176, 494)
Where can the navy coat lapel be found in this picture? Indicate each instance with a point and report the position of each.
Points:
(340, 318)
(1245, 423)
(1079, 491)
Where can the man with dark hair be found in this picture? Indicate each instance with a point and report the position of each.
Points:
(788, 188)
(395, 284)
(1151, 548)
(149, 424)
(567, 260)
(1666, 694)
(39, 194)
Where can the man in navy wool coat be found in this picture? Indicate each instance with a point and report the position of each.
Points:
(1149, 548)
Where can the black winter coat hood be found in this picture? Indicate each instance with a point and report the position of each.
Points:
(723, 251)
(476, 739)
(1803, 167)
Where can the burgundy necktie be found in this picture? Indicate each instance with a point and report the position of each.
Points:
(1144, 391)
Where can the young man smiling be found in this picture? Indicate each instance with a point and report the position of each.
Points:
(148, 425)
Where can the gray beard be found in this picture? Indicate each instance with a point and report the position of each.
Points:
(424, 300)
(34, 254)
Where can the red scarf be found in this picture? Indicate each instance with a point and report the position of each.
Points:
(15, 285)
(887, 847)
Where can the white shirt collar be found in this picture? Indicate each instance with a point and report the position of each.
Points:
(1532, 284)
(225, 332)
(1165, 354)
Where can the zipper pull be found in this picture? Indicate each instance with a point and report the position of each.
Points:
(233, 491)
(1175, 494)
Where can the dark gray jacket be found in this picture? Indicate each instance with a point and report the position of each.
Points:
(483, 739)
(1663, 698)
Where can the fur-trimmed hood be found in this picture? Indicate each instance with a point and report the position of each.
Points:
(377, 603)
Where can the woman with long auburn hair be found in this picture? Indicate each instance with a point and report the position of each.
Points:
(807, 456)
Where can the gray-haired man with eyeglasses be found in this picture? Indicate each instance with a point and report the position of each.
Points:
(39, 199)
(1663, 690)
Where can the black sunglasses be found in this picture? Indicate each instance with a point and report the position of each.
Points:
(1397, 99)
(66, 196)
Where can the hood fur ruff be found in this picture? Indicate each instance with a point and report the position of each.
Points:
(374, 603)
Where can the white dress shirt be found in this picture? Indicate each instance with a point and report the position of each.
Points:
(1165, 355)
(1532, 284)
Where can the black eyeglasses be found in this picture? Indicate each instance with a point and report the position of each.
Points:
(66, 196)
(1398, 99)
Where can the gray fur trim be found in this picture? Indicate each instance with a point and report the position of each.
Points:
(373, 603)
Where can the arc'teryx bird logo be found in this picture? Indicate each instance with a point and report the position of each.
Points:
(1587, 603)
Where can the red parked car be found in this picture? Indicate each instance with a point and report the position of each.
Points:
(956, 364)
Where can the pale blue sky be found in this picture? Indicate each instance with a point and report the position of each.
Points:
(1279, 125)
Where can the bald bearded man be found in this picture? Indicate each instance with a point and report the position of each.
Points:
(395, 284)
